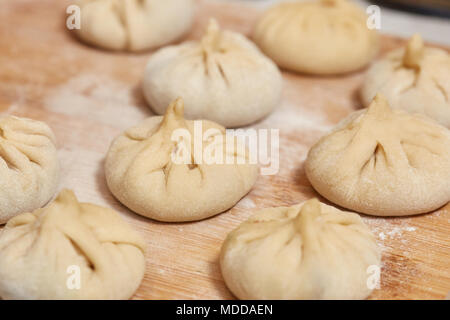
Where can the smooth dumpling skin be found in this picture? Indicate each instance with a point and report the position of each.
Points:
(42, 251)
(307, 251)
(223, 78)
(29, 166)
(141, 173)
(134, 25)
(383, 162)
(415, 79)
(317, 37)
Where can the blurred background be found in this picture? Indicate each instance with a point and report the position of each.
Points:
(431, 18)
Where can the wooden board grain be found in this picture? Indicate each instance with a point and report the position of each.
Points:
(88, 96)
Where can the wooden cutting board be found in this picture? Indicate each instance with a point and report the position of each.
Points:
(88, 96)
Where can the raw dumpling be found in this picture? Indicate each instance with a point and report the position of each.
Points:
(317, 37)
(134, 25)
(383, 162)
(307, 251)
(223, 78)
(29, 167)
(142, 174)
(415, 78)
(42, 253)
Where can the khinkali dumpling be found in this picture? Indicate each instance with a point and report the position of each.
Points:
(383, 162)
(134, 25)
(70, 250)
(29, 166)
(223, 78)
(307, 251)
(318, 37)
(142, 174)
(415, 78)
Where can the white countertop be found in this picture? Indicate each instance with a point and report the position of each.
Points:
(433, 29)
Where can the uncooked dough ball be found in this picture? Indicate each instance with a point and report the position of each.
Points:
(70, 250)
(318, 37)
(307, 251)
(134, 25)
(172, 169)
(29, 167)
(383, 162)
(222, 78)
(415, 78)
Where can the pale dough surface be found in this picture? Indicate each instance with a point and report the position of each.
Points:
(223, 77)
(415, 78)
(318, 37)
(134, 25)
(307, 251)
(383, 162)
(141, 173)
(29, 166)
(39, 251)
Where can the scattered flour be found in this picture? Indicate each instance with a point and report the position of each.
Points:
(96, 97)
(246, 203)
(86, 171)
(395, 232)
(288, 116)
(386, 231)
